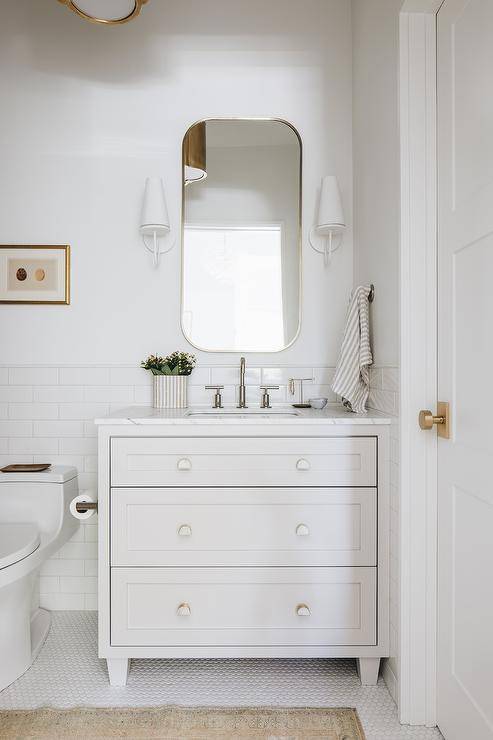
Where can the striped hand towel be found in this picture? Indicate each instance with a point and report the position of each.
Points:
(352, 376)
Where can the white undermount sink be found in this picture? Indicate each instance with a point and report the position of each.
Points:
(242, 413)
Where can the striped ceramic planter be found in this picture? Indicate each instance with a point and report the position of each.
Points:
(169, 391)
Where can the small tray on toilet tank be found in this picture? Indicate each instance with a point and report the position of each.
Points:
(26, 468)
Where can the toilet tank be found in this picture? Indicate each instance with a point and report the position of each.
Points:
(42, 498)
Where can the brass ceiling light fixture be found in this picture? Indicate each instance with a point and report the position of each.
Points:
(194, 154)
(107, 12)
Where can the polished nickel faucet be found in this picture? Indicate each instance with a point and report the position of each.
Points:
(242, 389)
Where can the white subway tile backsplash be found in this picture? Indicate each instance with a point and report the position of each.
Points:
(83, 410)
(15, 458)
(376, 378)
(33, 411)
(16, 428)
(78, 585)
(79, 551)
(59, 394)
(390, 379)
(200, 376)
(129, 376)
(231, 375)
(91, 463)
(91, 602)
(88, 481)
(323, 375)
(34, 445)
(91, 567)
(60, 567)
(66, 602)
(384, 401)
(90, 429)
(33, 375)
(143, 395)
(90, 535)
(281, 375)
(57, 429)
(109, 394)
(75, 461)
(84, 376)
(78, 446)
(49, 584)
(16, 393)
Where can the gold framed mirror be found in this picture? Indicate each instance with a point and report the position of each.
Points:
(241, 235)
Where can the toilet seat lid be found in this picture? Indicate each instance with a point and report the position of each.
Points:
(17, 541)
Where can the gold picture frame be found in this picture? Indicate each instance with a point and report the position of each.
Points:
(35, 274)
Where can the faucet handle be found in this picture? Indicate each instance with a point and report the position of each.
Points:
(265, 400)
(218, 401)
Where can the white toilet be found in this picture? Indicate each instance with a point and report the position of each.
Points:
(35, 521)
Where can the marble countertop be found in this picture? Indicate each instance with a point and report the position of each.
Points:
(331, 414)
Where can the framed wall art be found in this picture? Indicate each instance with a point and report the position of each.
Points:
(34, 273)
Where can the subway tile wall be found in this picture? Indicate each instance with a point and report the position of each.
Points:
(384, 396)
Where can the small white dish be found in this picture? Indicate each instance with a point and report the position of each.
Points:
(318, 403)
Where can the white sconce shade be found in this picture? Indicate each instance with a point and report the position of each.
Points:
(330, 213)
(154, 220)
(330, 219)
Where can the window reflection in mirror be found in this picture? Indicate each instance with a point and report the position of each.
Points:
(241, 236)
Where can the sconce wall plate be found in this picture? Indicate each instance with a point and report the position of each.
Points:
(93, 10)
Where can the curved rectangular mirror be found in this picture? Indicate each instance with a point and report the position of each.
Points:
(241, 235)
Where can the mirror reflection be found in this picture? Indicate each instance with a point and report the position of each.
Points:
(241, 235)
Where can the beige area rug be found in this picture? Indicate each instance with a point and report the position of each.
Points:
(183, 723)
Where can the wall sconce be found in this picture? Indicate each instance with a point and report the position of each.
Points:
(154, 221)
(330, 219)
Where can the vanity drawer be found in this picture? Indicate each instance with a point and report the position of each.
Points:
(259, 461)
(243, 526)
(243, 606)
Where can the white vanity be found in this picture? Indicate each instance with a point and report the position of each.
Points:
(235, 534)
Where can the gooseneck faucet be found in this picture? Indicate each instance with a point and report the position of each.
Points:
(242, 389)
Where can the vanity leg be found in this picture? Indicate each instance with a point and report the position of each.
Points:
(368, 670)
(118, 671)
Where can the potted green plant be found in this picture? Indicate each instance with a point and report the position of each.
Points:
(170, 379)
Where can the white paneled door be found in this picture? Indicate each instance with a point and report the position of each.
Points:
(465, 330)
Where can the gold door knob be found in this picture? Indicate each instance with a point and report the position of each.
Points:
(427, 420)
(184, 610)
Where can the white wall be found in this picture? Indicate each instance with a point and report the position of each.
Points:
(376, 165)
(88, 112)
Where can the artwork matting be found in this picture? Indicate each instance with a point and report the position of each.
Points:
(38, 274)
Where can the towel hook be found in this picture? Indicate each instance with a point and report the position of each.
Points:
(371, 294)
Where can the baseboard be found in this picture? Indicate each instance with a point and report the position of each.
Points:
(390, 679)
